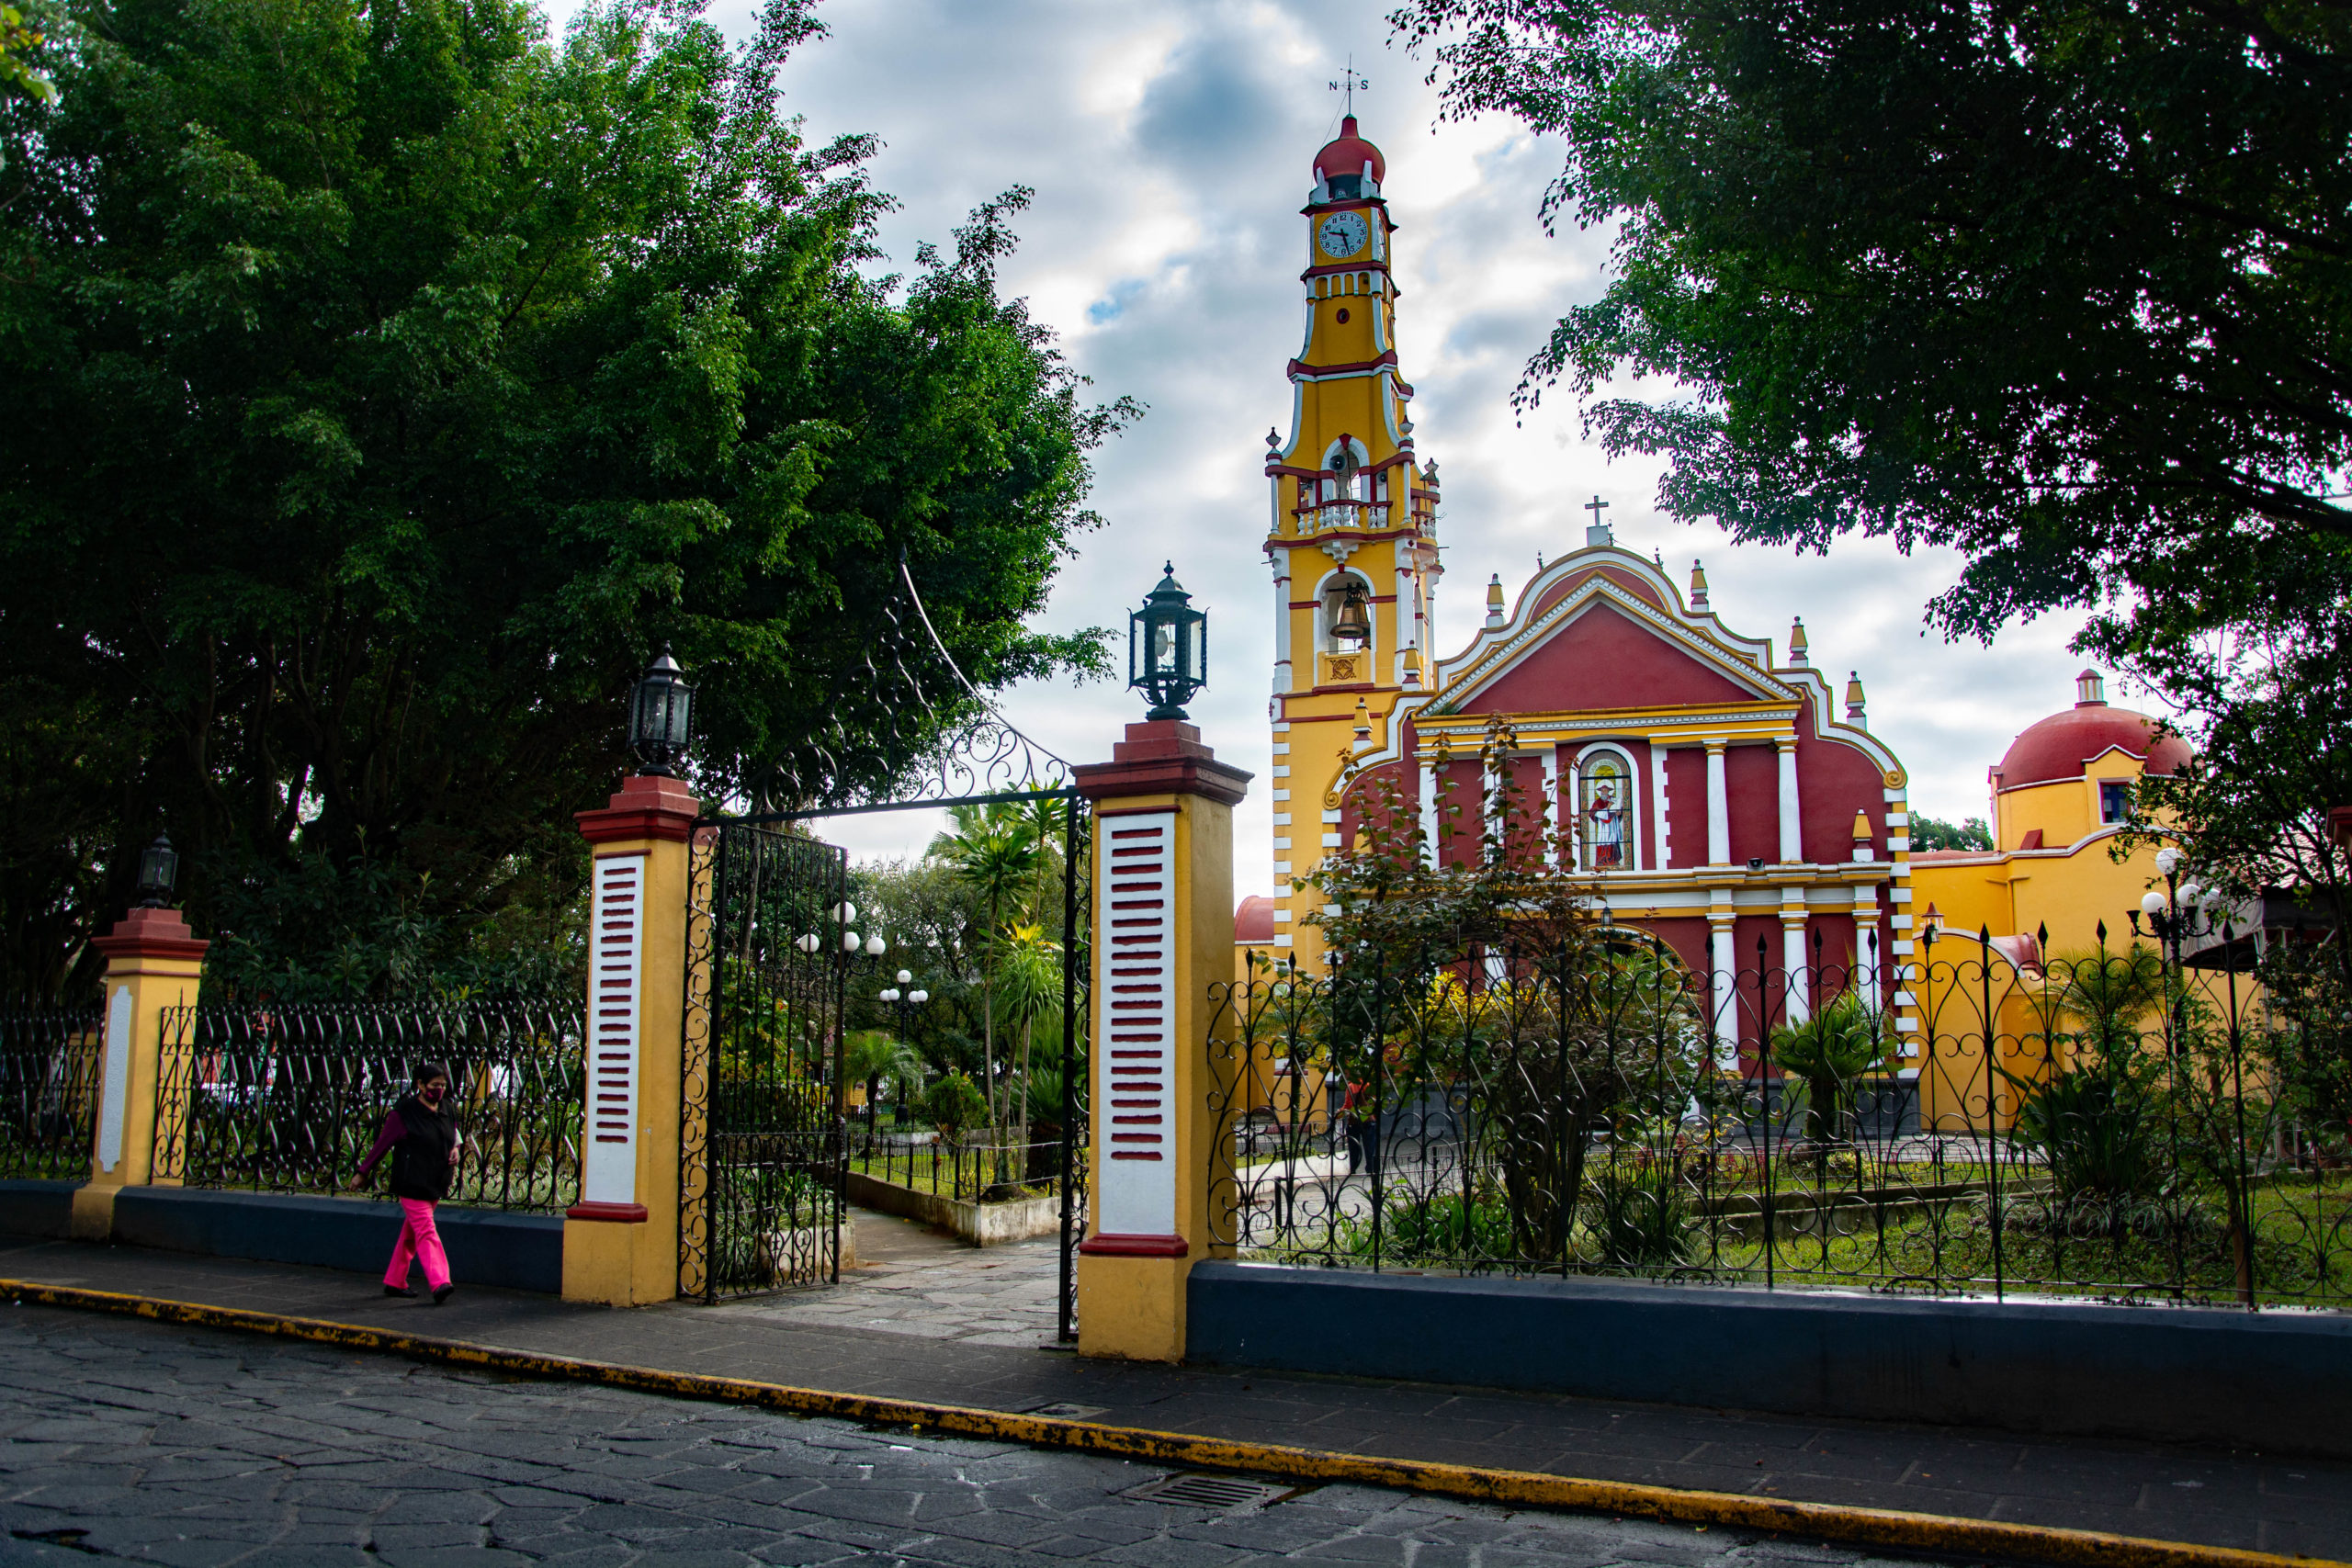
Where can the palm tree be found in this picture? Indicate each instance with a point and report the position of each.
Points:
(1830, 1052)
(1032, 981)
(993, 853)
(870, 1056)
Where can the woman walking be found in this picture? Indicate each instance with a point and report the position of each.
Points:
(424, 1144)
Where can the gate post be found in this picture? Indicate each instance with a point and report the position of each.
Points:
(1163, 934)
(153, 963)
(620, 1241)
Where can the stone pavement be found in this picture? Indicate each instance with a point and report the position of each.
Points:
(912, 1279)
(136, 1441)
(2248, 1500)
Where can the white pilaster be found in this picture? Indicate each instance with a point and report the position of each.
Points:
(1555, 806)
(1718, 807)
(1798, 1003)
(1280, 562)
(1723, 966)
(1791, 833)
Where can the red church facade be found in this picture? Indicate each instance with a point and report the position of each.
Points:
(1712, 792)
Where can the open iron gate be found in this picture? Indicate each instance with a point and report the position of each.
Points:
(762, 1168)
(763, 1139)
(760, 1153)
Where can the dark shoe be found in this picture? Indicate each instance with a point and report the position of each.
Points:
(442, 1294)
(399, 1291)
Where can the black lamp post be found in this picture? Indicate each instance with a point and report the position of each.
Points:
(159, 869)
(659, 711)
(1168, 648)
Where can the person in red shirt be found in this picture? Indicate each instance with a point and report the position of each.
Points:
(425, 1145)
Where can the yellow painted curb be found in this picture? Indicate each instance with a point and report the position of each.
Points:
(1884, 1528)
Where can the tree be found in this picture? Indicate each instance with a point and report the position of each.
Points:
(2064, 284)
(381, 387)
(1934, 833)
(18, 77)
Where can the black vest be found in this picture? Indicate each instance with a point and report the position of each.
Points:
(421, 1159)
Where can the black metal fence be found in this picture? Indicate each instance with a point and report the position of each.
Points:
(2109, 1124)
(968, 1169)
(51, 1057)
(290, 1099)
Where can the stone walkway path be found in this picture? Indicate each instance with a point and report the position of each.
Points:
(912, 1279)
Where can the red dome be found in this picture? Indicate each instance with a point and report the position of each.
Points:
(2061, 745)
(1349, 154)
(1254, 920)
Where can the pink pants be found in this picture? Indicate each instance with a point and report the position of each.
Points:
(420, 1241)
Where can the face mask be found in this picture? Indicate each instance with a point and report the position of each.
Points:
(431, 1093)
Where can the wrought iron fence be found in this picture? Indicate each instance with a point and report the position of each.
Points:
(290, 1099)
(51, 1057)
(2107, 1124)
(969, 1169)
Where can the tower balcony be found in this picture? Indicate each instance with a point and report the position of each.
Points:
(1331, 516)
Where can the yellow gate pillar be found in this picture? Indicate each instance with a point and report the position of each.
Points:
(153, 963)
(620, 1241)
(1163, 934)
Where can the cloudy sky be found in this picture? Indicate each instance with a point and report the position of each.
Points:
(1170, 147)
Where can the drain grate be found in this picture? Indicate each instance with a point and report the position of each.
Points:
(1225, 1492)
(1066, 1410)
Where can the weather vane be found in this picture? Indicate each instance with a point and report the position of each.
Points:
(1350, 84)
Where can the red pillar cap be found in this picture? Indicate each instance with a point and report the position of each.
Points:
(1162, 756)
(151, 933)
(645, 807)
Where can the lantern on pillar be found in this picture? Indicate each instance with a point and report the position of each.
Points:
(159, 869)
(657, 714)
(1168, 648)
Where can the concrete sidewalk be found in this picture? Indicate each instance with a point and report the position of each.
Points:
(2244, 1500)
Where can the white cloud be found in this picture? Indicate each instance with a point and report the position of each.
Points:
(1169, 148)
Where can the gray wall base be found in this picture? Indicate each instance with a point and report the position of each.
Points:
(486, 1246)
(38, 1208)
(2277, 1382)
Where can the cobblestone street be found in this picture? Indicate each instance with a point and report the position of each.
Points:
(189, 1446)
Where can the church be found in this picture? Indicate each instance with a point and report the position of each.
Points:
(1725, 796)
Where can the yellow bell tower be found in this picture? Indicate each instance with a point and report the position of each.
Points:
(1352, 536)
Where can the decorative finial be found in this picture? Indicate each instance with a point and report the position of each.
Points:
(1797, 642)
(1350, 84)
(1273, 439)
(1854, 698)
(1495, 600)
(1697, 586)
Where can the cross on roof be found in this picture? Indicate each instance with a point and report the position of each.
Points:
(1594, 506)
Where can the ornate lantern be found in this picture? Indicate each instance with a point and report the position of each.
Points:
(159, 868)
(657, 714)
(1168, 648)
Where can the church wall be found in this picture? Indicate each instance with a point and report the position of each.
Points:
(1632, 582)
(1562, 673)
(1686, 804)
(1752, 781)
(1646, 761)
(1833, 779)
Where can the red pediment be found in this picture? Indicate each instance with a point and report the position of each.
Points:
(1603, 658)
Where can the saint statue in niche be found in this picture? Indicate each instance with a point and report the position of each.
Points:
(1604, 814)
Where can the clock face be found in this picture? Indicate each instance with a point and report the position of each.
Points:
(1342, 234)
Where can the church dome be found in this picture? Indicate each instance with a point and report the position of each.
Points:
(1254, 920)
(1345, 155)
(2062, 746)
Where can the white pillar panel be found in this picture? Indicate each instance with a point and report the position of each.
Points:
(1426, 772)
(609, 1157)
(1718, 809)
(1661, 842)
(1792, 834)
(1136, 904)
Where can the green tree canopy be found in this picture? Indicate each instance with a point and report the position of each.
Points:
(2064, 284)
(382, 386)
